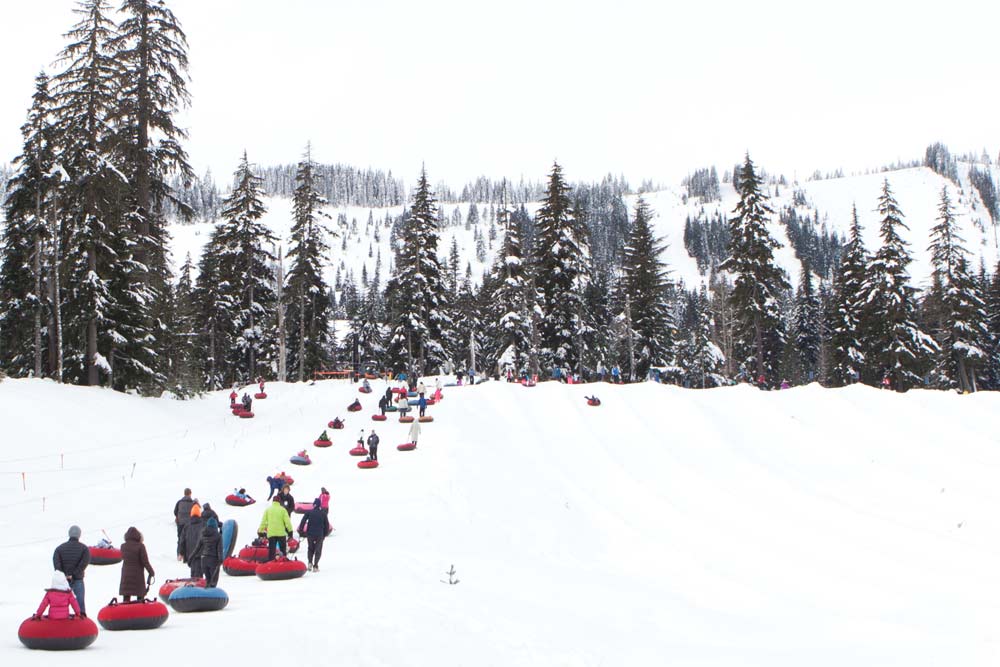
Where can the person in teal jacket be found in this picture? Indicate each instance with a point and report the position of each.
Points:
(276, 525)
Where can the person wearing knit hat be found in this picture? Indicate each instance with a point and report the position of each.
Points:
(196, 509)
(208, 551)
(72, 558)
(189, 540)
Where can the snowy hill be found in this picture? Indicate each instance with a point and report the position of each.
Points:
(719, 527)
(917, 190)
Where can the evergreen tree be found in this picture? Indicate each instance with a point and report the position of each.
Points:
(24, 254)
(418, 301)
(215, 302)
(243, 247)
(845, 327)
(562, 276)
(896, 346)
(85, 94)
(644, 287)
(758, 281)
(700, 359)
(958, 311)
(807, 327)
(993, 331)
(309, 315)
(513, 325)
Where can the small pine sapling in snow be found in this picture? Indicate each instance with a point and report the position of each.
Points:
(451, 577)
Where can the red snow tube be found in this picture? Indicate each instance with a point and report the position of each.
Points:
(407, 446)
(141, 615)
(236, 501)
(431, 401)
(67, 634)
(367, 464)
(378, 418)
(254, 554)
(170, 585)
(336, 424)
(322, 443)
(426, 418)
(359, 451)
(364, 391)
(237, 411)
(281, 568)
(237, 567)
(293, 545)
(99, 556)
(260, 395)
(354, 407)
(405, 419)
(593, 401)
(398, 390)
(302, 508)
(246, 415)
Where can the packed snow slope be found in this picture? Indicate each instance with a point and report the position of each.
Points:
(665, 527)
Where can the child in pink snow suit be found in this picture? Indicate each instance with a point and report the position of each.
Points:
(59, 598)
(324, 499)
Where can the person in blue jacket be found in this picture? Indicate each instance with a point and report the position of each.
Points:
(616, 375)
(276, 485)
(422, 404)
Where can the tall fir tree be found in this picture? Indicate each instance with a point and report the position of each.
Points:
(418, 299)
(896, 346)
(24, 254)
(807, 327)
(85, 93)
(151, 50)
(562, 274)
(244, 249)
(644, 290)
(957, 310)
(758, 282)
(513, 325)
(309, 312)
(846, 335)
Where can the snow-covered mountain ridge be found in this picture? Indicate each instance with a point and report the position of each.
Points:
(365, 237)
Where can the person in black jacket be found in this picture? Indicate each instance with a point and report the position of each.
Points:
(182, 514)
(189, 540)
(208, 513)
(383, 403)
(72, 558)
(373, 447)
(208, 551)
(286, 499)
(315, 527)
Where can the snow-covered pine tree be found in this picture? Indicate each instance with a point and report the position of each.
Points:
(215, 302)
(85, 94)
(562, 273)
(896, 345)
(846, 333)
(513, 326)
(644, 289)
(309, 309)
(807, 327)
(700, 359)
(418, 301)
(151, 50)
(758, 282)
(244, 247)
(993, 330)
(959, 318)
(25, 251)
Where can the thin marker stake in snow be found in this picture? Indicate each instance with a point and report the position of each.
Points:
(24, 482)
(132, 476)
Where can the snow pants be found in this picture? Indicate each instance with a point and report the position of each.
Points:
(276, 543)
(315, 549)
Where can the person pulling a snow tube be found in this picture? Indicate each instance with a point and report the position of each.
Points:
(239, 498)
(593, 400)
(355, 406)
(276, 525)
(59, 631)
(137, 573)
(315, 527)
(275, 483)
(337, 423)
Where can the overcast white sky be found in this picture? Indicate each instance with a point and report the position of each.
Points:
(502, 88)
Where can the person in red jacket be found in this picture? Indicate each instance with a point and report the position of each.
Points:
(58, 599)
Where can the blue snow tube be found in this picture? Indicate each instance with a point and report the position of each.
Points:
(229, 533)
(193, 598)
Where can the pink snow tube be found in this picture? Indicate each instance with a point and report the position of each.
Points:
(359, 451)
(407, 446)
(367, 464)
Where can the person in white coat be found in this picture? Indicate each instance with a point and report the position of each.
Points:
(421, 389)
(414, 431)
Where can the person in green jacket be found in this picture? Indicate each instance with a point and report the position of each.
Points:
(277, 527)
